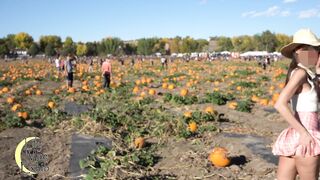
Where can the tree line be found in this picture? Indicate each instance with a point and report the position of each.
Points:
(51, 45)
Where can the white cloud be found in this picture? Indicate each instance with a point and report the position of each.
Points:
(289, 1)
(272, 11)
(309, 13)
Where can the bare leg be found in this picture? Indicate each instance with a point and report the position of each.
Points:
(308, 167)
(286, 168)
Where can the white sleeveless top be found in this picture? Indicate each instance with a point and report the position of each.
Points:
(305, 101)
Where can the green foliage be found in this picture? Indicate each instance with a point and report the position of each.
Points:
(244, 72)
(49, 51)
(55, 41)
(246, 84)
(146, 46)
(69, 47)
(23, 40)
(12, 120)
(81, 49)
(33, 50)
(3, 48)
(111, 46)
(244, 106)
(224, 44)
(217, 98)
(187, 100)
(102, 161)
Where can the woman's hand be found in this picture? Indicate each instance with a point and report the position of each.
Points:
(305, 141)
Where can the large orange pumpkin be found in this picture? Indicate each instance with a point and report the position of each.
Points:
(218, 157)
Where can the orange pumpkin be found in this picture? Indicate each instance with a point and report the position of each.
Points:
(210, 110)
(218, 157)
(187, 114)
(233, 105)
(152, 92)
(16, 107)
(38, 92)
(171, 86)
(25, 115)
(10, 100)
(28, 92)
(184, 92)
(135, 89)
(139, 143)
(51, 105)
(264, 102)
(71, 90)
(164, 85)
(192, 127)
(5, 89)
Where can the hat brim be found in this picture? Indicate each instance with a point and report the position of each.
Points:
(287, 50)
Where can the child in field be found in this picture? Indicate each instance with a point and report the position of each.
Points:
(298, 146)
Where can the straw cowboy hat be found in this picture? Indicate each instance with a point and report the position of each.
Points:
(303, 36)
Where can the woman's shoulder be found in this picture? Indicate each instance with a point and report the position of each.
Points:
(298, 74)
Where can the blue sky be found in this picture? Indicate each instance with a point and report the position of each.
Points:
(92, 20)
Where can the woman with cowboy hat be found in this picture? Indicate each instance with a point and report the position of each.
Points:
(298, 146)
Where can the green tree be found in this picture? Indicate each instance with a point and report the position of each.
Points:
(130, 49)
(224, 44)
(10, 42)
(55, 41)
(69, 47)
(81, 49)
(49, 50)
(23, 40)
(112, 46)
(202, 45)
(175, 44)
(34, 49)
(146, 46)
(243, 43)
(188, 45)
(282, 40)
(91, 49)
(3, 48)
(268, 41)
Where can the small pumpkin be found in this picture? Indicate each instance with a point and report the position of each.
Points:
(152, 92)
(38, 92)
(184, 92)
(10, 100)
(192, 127)
(51, 104)
(188, 114)
(139, 143)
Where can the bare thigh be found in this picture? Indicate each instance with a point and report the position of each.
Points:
(286, 168)
(308, 168)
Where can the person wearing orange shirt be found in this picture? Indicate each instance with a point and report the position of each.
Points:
(106, 72)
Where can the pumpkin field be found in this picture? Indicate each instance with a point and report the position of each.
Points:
(194, 120)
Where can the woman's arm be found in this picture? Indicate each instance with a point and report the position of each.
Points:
(297, 79)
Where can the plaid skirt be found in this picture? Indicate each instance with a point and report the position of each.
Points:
(287, 143)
